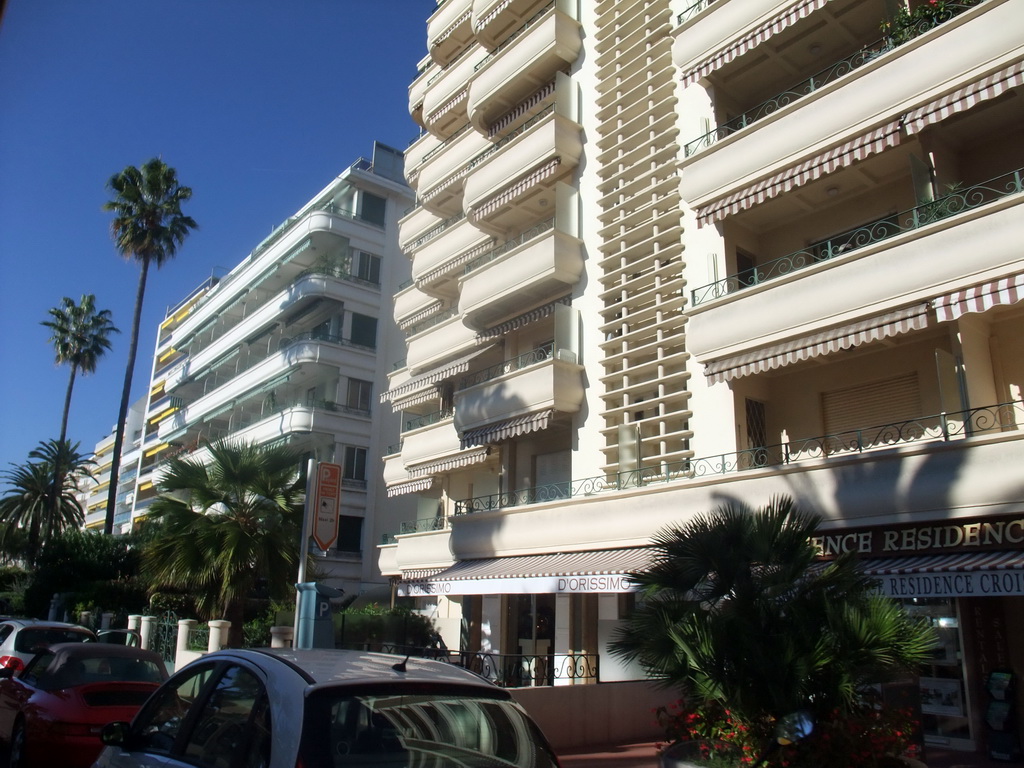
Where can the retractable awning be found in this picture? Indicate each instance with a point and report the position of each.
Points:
(507, 429)
(964, 574)
(966, 97)
(515, 190)
(566, 572)
(446, 371)
(980, 298)
(833, 340)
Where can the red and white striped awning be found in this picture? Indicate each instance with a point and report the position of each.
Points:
(452, 462)
(507, 429)
(524, 319)
(488, 17)
(844, 337)
(431, 309)
(517, 189)
(454, 264)
(461, 365)
(449, 105)
(451, 28)
(400, 489)
(753, 39)
(522, 108)
(980, 298)
(846, 154)
(966, 97)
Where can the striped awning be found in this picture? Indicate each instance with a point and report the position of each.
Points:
(516, 189)
(454, 264)
(449, 105)
(507, 429)
(488, 17)
(844, 337)
(431, 309)
(753, 39)
(966, 97)
(588, 571)
(452, 462)
(959, 562)
(460, 365)
(980, 298)
(451, 28)
(870, 143)
(522, 108)
(400, 489)
(524, 319)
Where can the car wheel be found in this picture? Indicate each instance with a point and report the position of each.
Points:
(16, 754)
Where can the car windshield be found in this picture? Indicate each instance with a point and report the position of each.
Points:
(424, 729)
(31, 639)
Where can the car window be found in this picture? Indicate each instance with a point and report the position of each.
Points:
(160, 721)
(38, 669)
(30, 638)
(5, 631)
(233, 722)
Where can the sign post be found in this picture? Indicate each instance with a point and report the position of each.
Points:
(327, 501)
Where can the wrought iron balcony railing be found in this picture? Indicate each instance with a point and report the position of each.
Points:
(941, 427)
(426, 420)
(957, 201)
(515, 35)
(425, 524)
(506, 367)
(693, 10)
(509, 245)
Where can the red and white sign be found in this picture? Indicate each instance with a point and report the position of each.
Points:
(326, 502)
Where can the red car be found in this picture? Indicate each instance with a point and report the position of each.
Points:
(52, 711)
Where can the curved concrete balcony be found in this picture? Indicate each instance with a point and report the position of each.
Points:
(417, 225)
(414, 154)
(387, 561)
(913, 267)
(430, 549)
(395, 472)
(883, 89)
(552, 143)
(495, 20)
(449, 30)
(524, 63)
(444, 103)
(703, 33)
(459, 238)
(302, 293)
(547, 385)
(505, 281)
(439, 344)
(442, 174)
(418, 89)
(411, 302)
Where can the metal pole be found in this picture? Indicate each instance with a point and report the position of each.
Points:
(304, 536)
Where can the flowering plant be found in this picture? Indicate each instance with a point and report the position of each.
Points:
(906, 24)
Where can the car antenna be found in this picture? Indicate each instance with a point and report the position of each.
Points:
(400, 666)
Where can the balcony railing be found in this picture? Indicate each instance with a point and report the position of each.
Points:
(431, 321)
(425, 524)
(426, 420)
(957, 201)
(516, 35)
(508, 670)
(798, 91)
(504, 368)
(941, 427)
(693, 10)
(509, 245)
(433, 232)
(905, 26)
(342, 273)
(330, 338)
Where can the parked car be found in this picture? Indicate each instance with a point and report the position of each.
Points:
(282, 708)
(52, 711)
(20, 639)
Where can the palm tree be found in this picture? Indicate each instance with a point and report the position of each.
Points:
(737, 610)
(148, 227)
(223, 527)
(30, 504)
(81, 335)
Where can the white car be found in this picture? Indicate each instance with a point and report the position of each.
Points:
(21, 639)
(284, 708)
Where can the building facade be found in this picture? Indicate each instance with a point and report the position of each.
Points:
(291, 347)
(93, 495)
(669, 255)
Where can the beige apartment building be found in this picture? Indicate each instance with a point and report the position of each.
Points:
(668, 256)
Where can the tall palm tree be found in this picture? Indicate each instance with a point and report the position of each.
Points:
(30, 505)
(223, 527)
(148, 227)
(80, 337)
(738, 611)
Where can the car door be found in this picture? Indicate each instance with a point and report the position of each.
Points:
(216, 717)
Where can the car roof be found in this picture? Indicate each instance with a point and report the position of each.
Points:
(102, 651)
(330, 667)
(42, 624)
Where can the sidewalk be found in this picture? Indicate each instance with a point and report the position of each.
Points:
(645, 755)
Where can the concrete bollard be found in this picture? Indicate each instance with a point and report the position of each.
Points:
(105, 619)
(281, 637)
(133, 621)
(218, 634)
(184, 630)
(148, 624)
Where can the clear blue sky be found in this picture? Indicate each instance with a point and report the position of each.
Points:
(258, 104)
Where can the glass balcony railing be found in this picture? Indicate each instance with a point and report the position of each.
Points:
(941, 427)
(958, 200)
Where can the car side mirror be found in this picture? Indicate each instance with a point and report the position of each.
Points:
(115, 734)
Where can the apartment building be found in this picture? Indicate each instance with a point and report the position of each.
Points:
(93, 493)
(669, 255)
(291, 346)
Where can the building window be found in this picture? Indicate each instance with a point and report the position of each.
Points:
(364, 330)
(372, 208)
(359, 393)
(350, 534)
(355, 464)
(366, 266)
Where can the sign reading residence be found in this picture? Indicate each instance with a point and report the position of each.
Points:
(326, 503)
(932, 539)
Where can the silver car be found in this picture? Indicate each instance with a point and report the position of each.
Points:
(286, 708)
(21, 639)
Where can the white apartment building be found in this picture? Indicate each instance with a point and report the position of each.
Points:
(93, 496)
(292, 346)
(667, 256)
